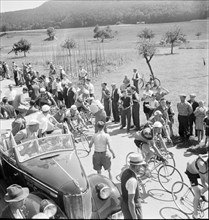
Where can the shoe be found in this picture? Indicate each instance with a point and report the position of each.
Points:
(132, 126)
(121, 127)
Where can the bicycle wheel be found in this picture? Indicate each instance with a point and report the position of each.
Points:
(167, 175)
(82, 146)
(141, 83)
(183, 197)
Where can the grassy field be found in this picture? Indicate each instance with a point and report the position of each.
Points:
(181, 72)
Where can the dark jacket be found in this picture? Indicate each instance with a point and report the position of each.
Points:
(7, 213)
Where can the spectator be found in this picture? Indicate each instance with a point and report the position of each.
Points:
(135, 108)
(6, 70)
(62, 72)
(101, 158)
(131, 201)
(184, 110)
(106, 99)
(65, 80)
(126, 81)
(194, 104)
(90, 87)
(153, 104)
(147, 93)
(8, 110)
(71, 95)
(21, 99)
(171, 114)
(206, 127)
(34, 92)
(200, 113)
(15, 72)
(163, 109)
(160, 93)
(10, 94)
(19, 123)
(32, 109)
(59, 89)
(61, 114)
(135, 79)
(115, 102)
(15, 198)
(126, 111)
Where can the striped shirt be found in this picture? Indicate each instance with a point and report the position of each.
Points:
(184, 109)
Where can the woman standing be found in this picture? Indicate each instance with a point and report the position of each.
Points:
(147, 93)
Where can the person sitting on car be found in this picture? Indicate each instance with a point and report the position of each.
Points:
(30, 132)
(15, 198)
(47, 122)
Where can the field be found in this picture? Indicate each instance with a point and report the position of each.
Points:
(181, 72)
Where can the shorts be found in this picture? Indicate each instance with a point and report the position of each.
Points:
(101, 159)
(192, 178)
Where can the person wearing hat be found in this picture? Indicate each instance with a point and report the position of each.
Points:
(115, 103)
(135, 108)
(71, 95)
(7, 110)
(10, 94)
(101, 157)
(192, 117)
(19, 123)
(184, 111)
(30, 132)
(15, 197)
(131, 201)
(34, 92)
(135, 79)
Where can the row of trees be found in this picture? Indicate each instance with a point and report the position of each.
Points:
(70, 14)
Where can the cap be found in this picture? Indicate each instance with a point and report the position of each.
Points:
(73, 107)
(157, 124)
(45, 108)
(42, 89)
(33, 122)
(192, 95)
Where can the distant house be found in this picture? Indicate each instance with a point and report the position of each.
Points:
(140, 22)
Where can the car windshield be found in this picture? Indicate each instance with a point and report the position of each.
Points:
(42, 146)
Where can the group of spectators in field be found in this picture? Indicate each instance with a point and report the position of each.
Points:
(122, 102)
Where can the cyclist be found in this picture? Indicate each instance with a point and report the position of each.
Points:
(149, 137)
(74, 118)
(197, 167)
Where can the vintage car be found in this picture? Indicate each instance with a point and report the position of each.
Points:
(52, 170)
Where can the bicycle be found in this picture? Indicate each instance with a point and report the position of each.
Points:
(153, 81)
(183, 196)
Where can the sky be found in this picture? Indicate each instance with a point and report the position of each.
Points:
(15, 5)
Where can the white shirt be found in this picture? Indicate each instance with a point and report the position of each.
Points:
(95, 106)
(11, 94)
(147, 95)
(100, 140)
(131, 185)
(59, 87)
(91, 88)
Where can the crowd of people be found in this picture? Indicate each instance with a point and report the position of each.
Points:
(56, 100)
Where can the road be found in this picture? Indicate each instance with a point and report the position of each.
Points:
(158, 203)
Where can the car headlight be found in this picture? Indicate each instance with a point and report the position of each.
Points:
(103, 191)
(48, 208)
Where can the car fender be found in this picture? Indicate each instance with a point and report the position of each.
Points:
(102, 209)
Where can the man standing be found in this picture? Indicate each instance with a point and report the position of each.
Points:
(135, 79)
(115, 99)
(135, 108)
(106, 99)
(184, 110)
(192, 117)
(126, 111)
(101, 157)
(131, 204)
(71, 95)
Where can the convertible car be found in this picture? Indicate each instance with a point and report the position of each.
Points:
(52, 170)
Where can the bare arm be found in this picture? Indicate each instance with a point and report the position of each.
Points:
(131, 205)
(110, 149)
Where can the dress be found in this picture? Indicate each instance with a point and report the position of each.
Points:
(200, 113)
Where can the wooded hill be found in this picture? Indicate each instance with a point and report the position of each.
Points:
(71, 14)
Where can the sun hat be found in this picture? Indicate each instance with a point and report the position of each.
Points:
(183, 95)
(45, 108)
(33, 122)
(157, 124)
(16, 193)
(137, 159)
(73, 107)
(157, 113)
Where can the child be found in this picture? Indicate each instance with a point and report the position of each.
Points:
(206, 127)
(200, 113)
(170, 116)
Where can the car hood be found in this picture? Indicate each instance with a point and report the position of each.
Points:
(61, 171)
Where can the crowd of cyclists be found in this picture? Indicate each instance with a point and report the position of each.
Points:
(63, 104)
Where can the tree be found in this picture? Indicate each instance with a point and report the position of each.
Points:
(146, 34)
(4, 28)
(51, 33)
(174, 36)
(198, 34)
(69, 44)
(21, 46)
(147, 49)
(104, 33)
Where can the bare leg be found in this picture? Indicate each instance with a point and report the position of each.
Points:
(197, 192)
(110, 175)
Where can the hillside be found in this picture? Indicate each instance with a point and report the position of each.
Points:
(71, 14)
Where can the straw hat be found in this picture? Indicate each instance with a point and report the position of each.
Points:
(45, 108)
(16, 193)
(137, 159)
(157, 124)
(22, 108)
